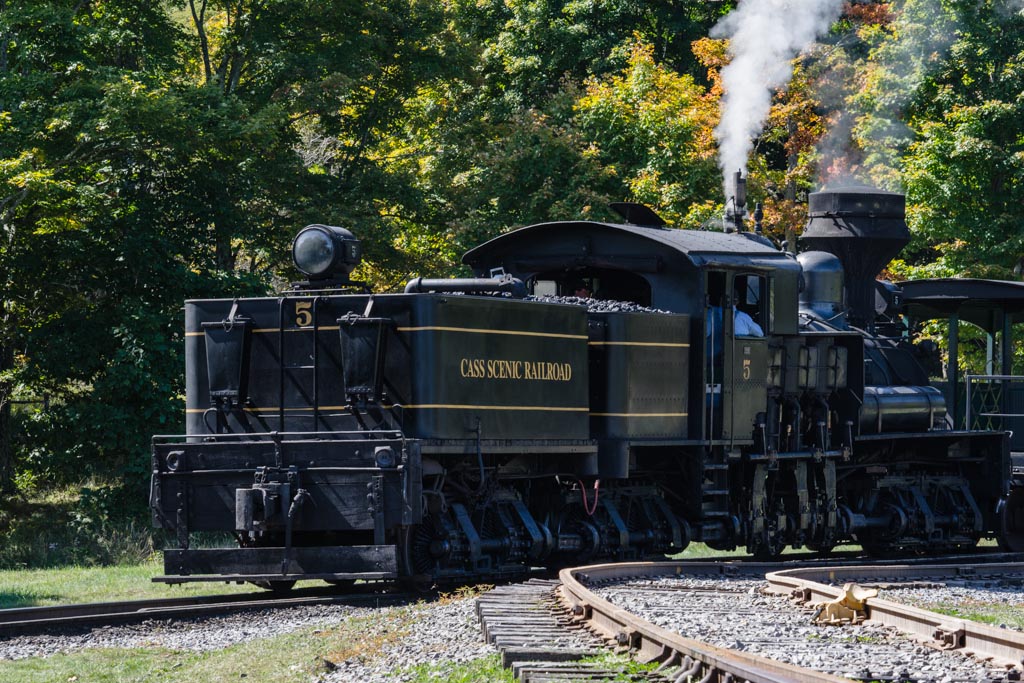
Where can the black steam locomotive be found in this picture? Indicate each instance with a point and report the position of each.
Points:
(714, 388)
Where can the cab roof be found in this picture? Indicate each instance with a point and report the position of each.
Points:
(701, 247)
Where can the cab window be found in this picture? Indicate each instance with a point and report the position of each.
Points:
(750, 301)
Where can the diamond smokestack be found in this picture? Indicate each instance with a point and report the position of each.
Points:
(865, 228)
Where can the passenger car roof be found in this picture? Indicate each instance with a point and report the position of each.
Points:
(981, 302)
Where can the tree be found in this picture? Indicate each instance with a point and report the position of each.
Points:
(642, 132)
(963, 169)
(937, 114)
(527, 49)
(141, 165)
(653, 128)
(55, 62)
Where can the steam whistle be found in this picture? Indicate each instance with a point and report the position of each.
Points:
(735, 206)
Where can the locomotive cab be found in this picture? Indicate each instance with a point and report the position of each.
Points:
(736, 353)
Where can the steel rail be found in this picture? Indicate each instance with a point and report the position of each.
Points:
(1002, 645)
(26, 620)
(651, 643)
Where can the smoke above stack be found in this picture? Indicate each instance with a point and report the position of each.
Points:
(863, 144)
(764, 37)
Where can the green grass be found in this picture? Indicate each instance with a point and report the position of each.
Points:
(38, 587)
(630, 667)
(489, 669)
(69, 525)
(486, 669)
(696, 551)
(984, 613)
(297, 657)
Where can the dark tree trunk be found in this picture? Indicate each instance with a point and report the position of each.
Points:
(224, 254)
(6, 452)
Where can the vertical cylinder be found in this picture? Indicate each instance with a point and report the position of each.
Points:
(953, 369)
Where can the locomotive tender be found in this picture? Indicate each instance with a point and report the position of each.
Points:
(476, 428)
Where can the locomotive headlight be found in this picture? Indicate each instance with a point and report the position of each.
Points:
(313, 251)
(323, 251)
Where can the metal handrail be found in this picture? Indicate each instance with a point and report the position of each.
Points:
(970, 379)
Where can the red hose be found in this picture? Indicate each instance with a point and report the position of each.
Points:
(586, 505)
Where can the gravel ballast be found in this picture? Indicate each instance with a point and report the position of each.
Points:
(995, 599)
(401, 636)
(442, 634)
(386, 641)
(745, 618)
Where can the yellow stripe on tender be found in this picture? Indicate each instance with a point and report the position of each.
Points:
(295, 410)
(309, 328)
(273, 410)
(425, 406)
(445, 406)
(477, 330)
(674, 345)
(268, 330)
(640, 414)
(442, 328)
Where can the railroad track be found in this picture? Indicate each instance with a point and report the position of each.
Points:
(1002, 645)
(29, 620)
(32, 620)
(550, 632)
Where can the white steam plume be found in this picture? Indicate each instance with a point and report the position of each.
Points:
(923, 31)
(764, 37)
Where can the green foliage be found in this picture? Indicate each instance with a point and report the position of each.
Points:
(86, 526)
(938, 114)
(652, 129)
(154, 152)
(963, 176)
(528, 49)
(131, 180)
(642, 133)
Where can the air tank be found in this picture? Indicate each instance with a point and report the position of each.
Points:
(901, 409)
